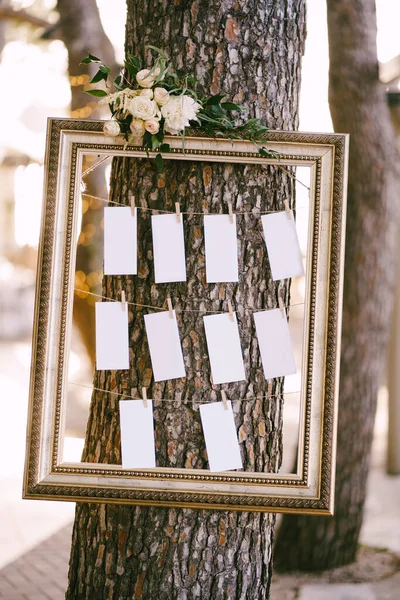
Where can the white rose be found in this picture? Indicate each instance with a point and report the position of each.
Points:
(147, 93)
(143, 108)
(177, 113)
(111, 128)
(161, 96)
(137, 127)
(146, 79)
(152, 126)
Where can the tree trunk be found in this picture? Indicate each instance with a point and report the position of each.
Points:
(250, 52)
(358, 106)
(81, 30)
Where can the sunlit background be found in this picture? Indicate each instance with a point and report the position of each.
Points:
(36, 86)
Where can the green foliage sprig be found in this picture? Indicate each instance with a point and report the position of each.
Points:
(161, 102)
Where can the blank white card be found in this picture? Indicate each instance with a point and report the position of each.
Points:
(168, 248)
(274, 343)
(165, 346)
(220, 436)
(221, 249)
(137, 434)
(282, 245)
(120, 241)
(112, 336)
(224, 349)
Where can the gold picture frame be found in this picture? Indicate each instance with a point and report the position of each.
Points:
(311, 488)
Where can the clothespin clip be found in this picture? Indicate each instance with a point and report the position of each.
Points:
(269, 389)
(132, 205)
(123, 300)
(178, 211)
(230, 212)
(230, 310)
(144, 396)
(281, 306)
(170, 309)
(287, 208)
(224, 399)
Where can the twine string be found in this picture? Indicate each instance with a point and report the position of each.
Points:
(259, 397)
(201, 310)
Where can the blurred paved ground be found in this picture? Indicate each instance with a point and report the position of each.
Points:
(35, 536)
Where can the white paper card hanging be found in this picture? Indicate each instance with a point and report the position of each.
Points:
(120, 241)
(220, 436)
(275, 344)
(168, 248)
(165, 346)
(221, 250)
(137, 434)
(112, 336)
(224, 349)
(282, 245)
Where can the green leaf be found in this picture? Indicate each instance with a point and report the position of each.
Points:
(117, 83)
(104, 69)
(155, 142)
(158, 50)
(159, 163)
(213, 100)
(97, 93)
(165, 148)
(147, 139)
(133, 60)
(230, 106)
(100, 76)
(89, 59)
(132, 69)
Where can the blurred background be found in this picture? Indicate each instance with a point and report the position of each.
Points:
(34, 53)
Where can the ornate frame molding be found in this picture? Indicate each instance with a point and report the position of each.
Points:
(309, 491)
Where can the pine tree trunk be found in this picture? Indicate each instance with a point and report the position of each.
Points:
(251, 52)
(358, 106)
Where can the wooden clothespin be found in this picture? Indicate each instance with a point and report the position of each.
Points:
(230, 310)
(224, 399)
(281, 306)
(170, 309)
(178, 212)
(287, 208)
(269, 389)
(132, 205)
(123, 300)
(230, 212)
(144, 396)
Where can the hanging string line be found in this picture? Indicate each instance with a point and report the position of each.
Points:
(196, 310)
(261, 397)
(93, 167)
(293, 176)
(172, 212)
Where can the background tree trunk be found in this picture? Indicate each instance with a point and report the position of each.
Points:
(251, 52)
(81, 30)
(358, 106)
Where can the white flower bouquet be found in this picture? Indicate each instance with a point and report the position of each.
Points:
(149, 103)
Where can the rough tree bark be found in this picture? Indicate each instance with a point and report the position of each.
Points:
(81, 30)
(358, 106)
(251, 52)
